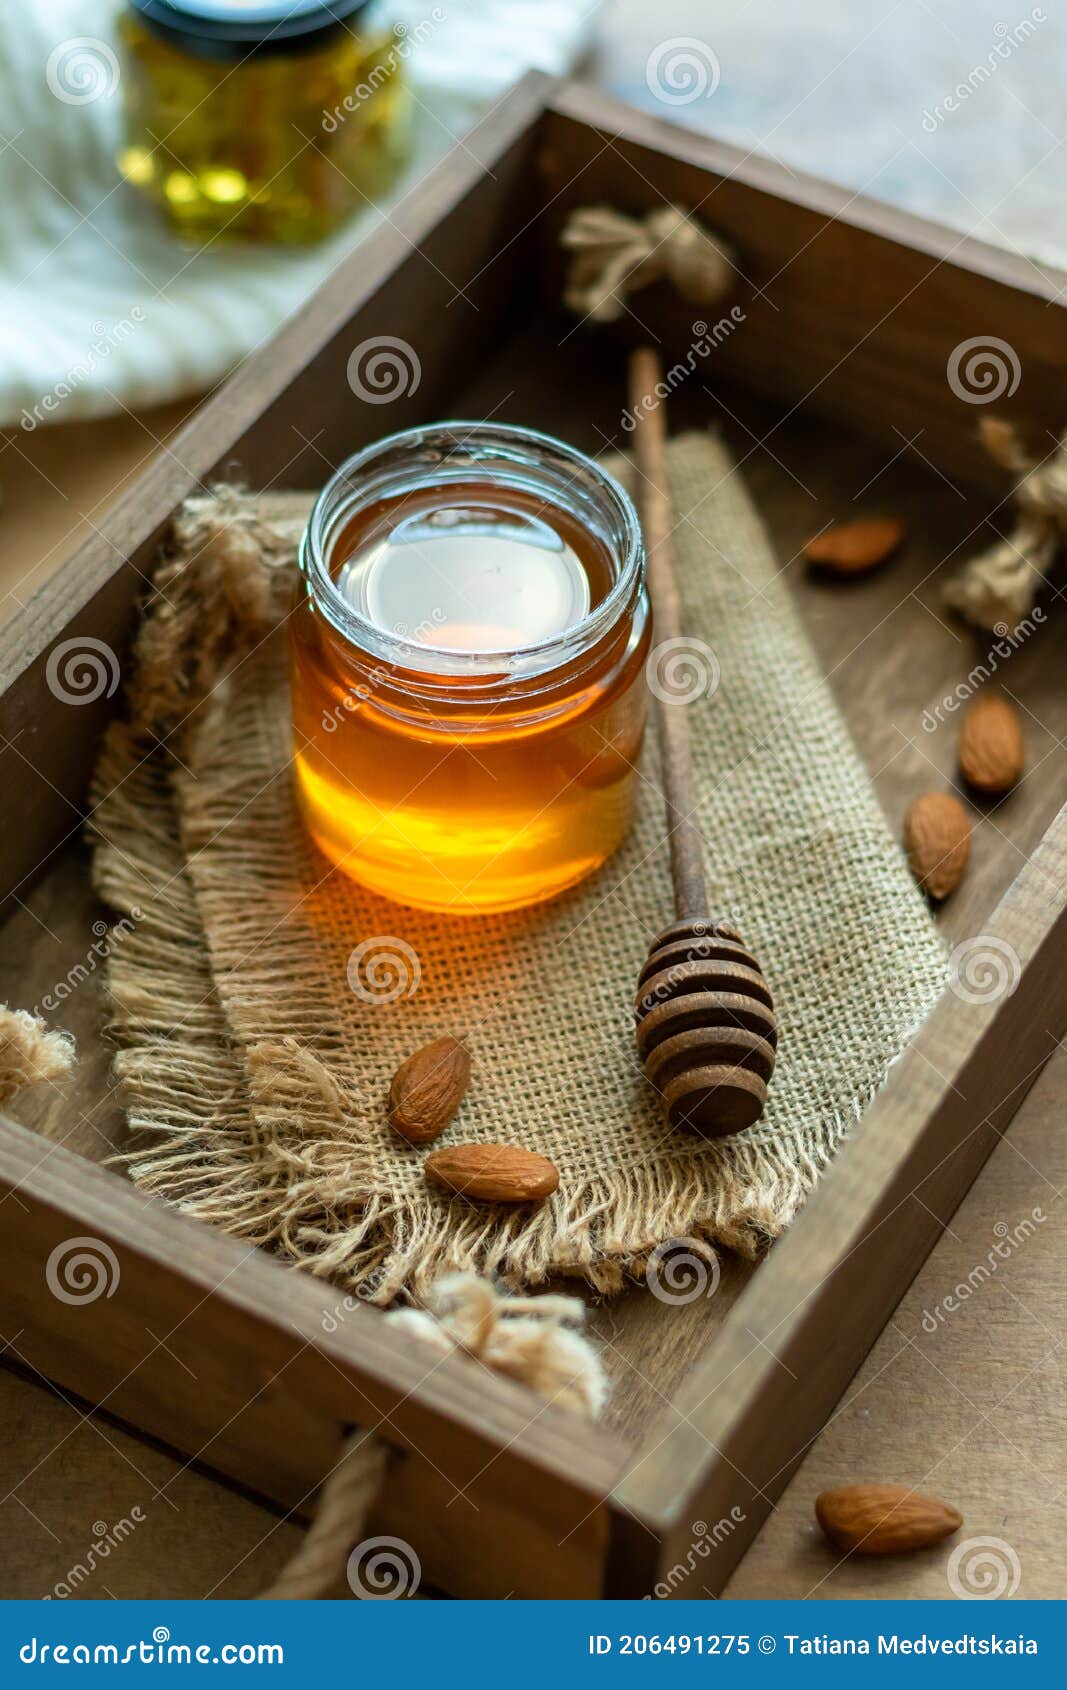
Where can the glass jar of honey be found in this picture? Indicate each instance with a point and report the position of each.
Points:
(467, 657)
(266, 120)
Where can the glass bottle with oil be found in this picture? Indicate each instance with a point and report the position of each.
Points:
(265, 120)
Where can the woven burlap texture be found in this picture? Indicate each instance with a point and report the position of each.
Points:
(256, 1076)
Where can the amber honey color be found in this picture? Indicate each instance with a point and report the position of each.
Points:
(467, 667)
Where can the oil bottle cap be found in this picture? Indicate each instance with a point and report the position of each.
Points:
(234, 29)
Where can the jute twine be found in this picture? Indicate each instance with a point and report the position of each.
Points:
(613, 255)
(29, 1053)
(997, 589)
(257, 1054)
(532, 1339)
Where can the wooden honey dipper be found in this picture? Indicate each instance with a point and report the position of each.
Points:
(706, 1031)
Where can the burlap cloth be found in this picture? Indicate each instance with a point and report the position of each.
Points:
(256, 1076)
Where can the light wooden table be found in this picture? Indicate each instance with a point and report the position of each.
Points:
(977, 1406)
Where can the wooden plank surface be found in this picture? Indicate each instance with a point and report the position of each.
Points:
(963, 1394)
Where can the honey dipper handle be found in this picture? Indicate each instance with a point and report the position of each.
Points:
(672, 723)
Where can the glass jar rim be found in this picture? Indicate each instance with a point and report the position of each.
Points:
(490, 446)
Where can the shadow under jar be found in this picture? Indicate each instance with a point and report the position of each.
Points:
(468, 653)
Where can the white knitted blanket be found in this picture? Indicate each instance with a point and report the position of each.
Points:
(82, 257)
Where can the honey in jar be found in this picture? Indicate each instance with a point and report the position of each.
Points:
(468, 653)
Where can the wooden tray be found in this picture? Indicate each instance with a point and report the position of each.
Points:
(835, 397)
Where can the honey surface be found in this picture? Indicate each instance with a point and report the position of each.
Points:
(409, 777)
(473, 573)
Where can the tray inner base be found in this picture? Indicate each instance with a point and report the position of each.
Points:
(890, 655)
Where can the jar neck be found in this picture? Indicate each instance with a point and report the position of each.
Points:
(479, 706)
(507, 458)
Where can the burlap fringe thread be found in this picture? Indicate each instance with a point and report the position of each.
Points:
(531, 1339)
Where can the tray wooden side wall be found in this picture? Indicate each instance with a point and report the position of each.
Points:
(853, 309)
(761, 1390)
(210, 1345)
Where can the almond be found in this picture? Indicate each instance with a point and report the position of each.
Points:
(427, 1090)
(937, 838)
(497, 1173)
(990, 748)
(851, 548)
(884, 1519)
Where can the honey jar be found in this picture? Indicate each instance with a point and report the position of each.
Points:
(467, 660)
(267, 120)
